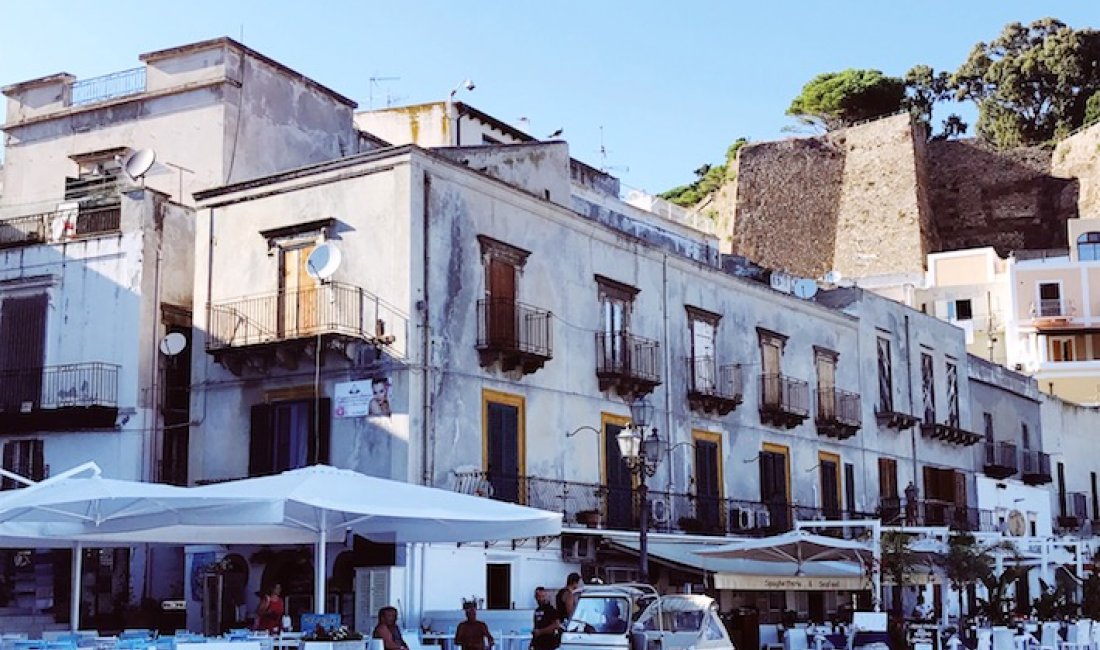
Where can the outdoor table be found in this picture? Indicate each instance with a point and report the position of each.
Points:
(513, 641)
(438, 638)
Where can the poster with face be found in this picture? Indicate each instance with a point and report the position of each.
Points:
(380, 397)
(365, 397)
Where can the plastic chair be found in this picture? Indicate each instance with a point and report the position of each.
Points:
(1048, 635)
(1078, 636)
(797, 639)
(1004, 638)
(985, 639)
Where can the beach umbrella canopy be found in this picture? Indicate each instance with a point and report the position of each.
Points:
(797, 547)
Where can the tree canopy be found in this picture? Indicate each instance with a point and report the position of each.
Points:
(708, 179)
(834, 100)
(1032, 83)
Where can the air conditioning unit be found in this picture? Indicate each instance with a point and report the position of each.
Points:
(580, 548)
(660, 511)
(741, 518)
(763, 519)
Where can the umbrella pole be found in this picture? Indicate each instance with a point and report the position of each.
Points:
(74, 599)
(319, 569)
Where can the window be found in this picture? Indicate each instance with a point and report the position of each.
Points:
(1025, 436)
(283, 435)
(825, 367)
(1061, 348)
(889, 503)
(774, 484)
(702, 329)
(830, 484)
(1088, 247)
(708, 479)
(928, 387)
(771, 356)
(25, 458)
(850, 488)
(503, 439)
(498, 585)
(962, 310)
(1050, 299)
(987, 420)
(885, 377)
(22, 349)
(616, 302)
(502, 264)
(952, 394)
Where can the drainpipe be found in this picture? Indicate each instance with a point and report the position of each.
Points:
(909, 386)
(428, 439)
(668, 368)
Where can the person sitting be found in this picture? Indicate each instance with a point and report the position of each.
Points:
(614, 623)
(472, 634)
(388, 631)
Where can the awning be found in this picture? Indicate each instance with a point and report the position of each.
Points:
(752, 575)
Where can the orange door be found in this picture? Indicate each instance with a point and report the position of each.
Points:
(299, 294)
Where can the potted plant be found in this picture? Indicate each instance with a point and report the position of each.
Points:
(336, 638)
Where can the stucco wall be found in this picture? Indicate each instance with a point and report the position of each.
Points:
(1069, 436)
(1078, 157)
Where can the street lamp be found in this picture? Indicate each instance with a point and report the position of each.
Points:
(642, 455)
(452, 119)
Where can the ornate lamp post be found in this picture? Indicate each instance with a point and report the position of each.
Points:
(642, 454)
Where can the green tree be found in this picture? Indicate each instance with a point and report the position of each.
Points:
(708, 179)
(1092, 109)
(834, 100)
(899, 563)
(924, 88)
(966, 562)
(1031, 83)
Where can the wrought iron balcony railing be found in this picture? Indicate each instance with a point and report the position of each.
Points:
(59, 226)
(280, 316)
(1036, 467)
(784, 401)
(628, 363)
(77, 385)
(714, 388)
(1000, 459)
(839, 413)
(515, 334)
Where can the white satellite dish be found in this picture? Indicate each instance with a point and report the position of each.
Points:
(804, 288)
(781, 281)
(833, 277)
(323, 261)
(139, 163)
(172, 344)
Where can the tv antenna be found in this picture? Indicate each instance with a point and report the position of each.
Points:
(604, 167)
(377, 82)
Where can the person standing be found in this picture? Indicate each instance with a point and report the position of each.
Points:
(472, 634)
(546, 627)
(566, 599)
(388, 631)
(269, 613)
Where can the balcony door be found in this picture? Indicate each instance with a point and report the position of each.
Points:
(503, 440)
(501, 285)
(774, 485)
(830, 485)
(771, 356)
(708, 481)
(825, 366)
(22, 350)
(298, 293)
(619, 481)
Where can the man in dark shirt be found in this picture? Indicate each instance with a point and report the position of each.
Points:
(546, 628)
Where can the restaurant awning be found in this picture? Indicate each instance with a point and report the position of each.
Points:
(751, 575)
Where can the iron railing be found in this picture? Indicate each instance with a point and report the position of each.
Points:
(77, 385)
(1036, 467)
(839, 406)
(707, 379)
(1000, 459)
(278, 316)
(59, 226)
(786, 394)
(619, 508)
(513, 327)
(626, 355)
(108, 86)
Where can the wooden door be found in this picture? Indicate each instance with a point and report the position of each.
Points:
(620, 481)
(771, 387)
(22, 351)
(503, 450)
(826, 385)
(708, 487)
(502, 304)
(299, 294)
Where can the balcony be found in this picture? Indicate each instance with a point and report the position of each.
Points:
(60, 226)
(1053, 314)
(284, 327)
(713, 392)
(888, 417)
(514, 335)
(108, 86)
(1000, 460)
(629, 364)
(59, 398)
(934, 512)
(784, 401)
(950, 434)
(598, 506)
(838, 413)
(1036, 468)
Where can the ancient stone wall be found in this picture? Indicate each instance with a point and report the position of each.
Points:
(1078, 156)
(981, 196)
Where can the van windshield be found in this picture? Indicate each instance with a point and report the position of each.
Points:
(600, 615)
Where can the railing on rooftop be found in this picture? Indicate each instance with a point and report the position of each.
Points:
(59, 226)
(108, 86)
(76, 385)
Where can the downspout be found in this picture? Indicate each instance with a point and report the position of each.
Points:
(909, 386)
(428, 438)
(668, 368)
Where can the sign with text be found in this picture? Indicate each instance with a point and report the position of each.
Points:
(363, 398)
(788, 583)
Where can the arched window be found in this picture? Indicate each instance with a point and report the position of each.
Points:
(1088, 247)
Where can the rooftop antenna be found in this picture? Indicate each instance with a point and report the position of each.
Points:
(604, 167)
(377, 81)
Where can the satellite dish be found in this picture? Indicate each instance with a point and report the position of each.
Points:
(805, 289)
(323, 261)
(781, 281)
(139, 162)
(833, 277)
(173, 344)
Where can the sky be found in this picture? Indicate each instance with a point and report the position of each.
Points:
(649, 89)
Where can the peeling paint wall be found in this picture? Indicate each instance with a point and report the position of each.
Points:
(540, 169)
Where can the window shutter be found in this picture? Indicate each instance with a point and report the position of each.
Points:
(260, 452)
(325, 433)
(37, 460)
(9, 464)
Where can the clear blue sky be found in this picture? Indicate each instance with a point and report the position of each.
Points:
(672, 83)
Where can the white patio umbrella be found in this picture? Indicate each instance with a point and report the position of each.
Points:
(322, 502)
(797, 547)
